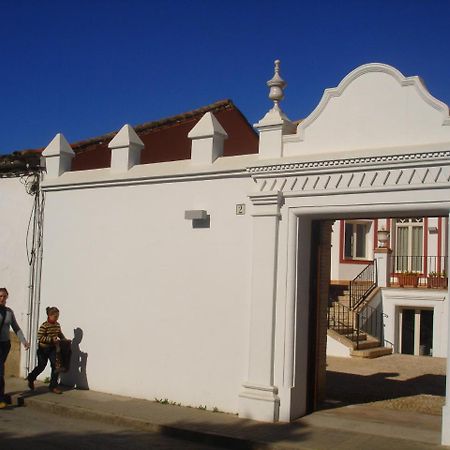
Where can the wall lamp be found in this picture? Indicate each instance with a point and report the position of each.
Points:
(195, 214)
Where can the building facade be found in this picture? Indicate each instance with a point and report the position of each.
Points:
(206, 280)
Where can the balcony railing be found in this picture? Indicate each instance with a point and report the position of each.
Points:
(362, 285)
(419, 269)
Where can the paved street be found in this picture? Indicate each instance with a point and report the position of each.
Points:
(28, 428)
(399, 382)
(106, 421)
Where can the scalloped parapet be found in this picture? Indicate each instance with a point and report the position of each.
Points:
(374, 107)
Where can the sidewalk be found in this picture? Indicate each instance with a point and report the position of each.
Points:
(350, 427)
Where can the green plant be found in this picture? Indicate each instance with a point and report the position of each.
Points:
(215, 409)
(47, 380)
(442, 274)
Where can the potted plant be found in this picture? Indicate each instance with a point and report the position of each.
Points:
(408, 278)
(437, 280)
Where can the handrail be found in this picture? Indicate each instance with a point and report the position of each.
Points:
(343, 321)
(371, 322)
(356, 325)
(362, 285)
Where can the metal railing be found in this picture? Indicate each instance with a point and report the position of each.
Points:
(423, 266)
(362, 285)
(370, 321)
(342, 320)
(356, 325)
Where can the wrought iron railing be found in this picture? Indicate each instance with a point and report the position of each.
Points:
(342, 320)
(370, 320)
(362, 285)
(356, 325)
(422, 266)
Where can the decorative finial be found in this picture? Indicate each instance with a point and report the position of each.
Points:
(276, 85)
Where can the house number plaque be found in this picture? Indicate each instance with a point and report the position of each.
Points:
(240, 209)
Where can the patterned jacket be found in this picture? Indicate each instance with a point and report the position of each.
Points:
(47, 332)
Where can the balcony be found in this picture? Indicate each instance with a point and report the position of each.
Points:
(419, 271)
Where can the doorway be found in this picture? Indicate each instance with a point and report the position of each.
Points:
(416, 331)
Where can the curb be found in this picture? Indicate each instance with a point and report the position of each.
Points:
(205, 437)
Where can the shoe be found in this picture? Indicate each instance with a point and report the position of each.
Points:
(30, 384)
(3, 405)
(56, 391)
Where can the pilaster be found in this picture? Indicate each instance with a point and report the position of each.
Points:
(383, 267)
(208, 138)
(125, 149)
(258, 397)
(271, 129)
(445, 435)
(58, 156)
(274, 124)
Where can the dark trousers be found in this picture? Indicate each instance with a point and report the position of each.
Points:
(44, 354)
(5, 347)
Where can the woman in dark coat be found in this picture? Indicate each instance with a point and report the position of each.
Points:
(7, 320)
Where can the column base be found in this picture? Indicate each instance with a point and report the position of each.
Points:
(258, 402)
(445, 434)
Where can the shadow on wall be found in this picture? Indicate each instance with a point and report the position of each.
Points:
(76, 376)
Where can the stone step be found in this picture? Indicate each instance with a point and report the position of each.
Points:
(343, 330)
(354, 337)
(362, 283)
(364, 345)
(371, 352)
(335, 305)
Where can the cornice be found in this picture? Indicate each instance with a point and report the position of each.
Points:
(344, 163)
(356, 175)
(64, 184)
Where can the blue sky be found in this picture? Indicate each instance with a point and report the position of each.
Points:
(85, 68)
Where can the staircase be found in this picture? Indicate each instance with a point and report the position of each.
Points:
(355, 324)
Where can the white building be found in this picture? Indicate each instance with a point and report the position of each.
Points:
(406, 318)
(205, 280)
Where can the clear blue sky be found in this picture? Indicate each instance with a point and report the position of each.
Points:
(85, 68)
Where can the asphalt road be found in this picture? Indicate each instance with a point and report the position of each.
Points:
(25, 428)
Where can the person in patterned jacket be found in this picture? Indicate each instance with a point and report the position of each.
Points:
(49, 335)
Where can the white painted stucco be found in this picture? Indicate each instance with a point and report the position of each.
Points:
(163, 306)
(336, 348)
(394, 299)
(219, 316)
(16, 206)
(373, 107)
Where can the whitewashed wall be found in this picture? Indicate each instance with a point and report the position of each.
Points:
(163, 307)
(394, 299)
(15, 207)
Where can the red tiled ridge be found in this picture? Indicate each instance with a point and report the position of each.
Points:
(166, 139)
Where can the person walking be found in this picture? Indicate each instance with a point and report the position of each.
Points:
(7, 320)
(49, 335)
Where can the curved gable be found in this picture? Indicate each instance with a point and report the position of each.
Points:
(373, 107)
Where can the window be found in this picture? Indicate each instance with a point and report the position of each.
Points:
(356, 240)
(409, 244)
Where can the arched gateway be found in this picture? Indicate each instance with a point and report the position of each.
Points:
(378, 145)
(207, 303)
